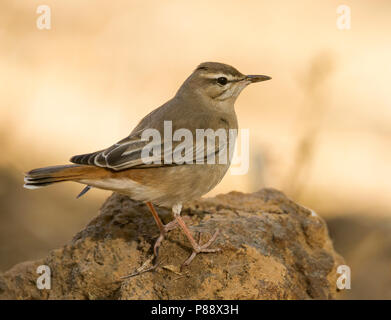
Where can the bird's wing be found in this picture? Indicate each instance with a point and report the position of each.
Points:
(135, 151)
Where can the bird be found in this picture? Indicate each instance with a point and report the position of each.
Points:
(205, 101)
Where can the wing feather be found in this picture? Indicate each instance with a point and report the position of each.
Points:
(128, 153)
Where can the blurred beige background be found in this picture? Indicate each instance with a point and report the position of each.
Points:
(320, 130)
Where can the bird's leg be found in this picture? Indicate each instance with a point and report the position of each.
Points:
(197, 247)
(164, 228)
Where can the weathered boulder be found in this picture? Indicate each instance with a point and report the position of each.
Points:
(272, 247)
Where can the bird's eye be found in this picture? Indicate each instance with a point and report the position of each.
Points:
(222, 81)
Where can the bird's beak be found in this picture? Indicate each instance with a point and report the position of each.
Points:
(257, 78)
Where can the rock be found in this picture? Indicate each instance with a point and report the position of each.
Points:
(272, 247)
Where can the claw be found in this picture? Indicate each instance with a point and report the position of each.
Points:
(202, 248)
(143, 268)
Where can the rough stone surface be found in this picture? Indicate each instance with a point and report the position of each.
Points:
(272, 247)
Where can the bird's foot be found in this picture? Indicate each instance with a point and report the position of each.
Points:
(152, 262)
(198, 248)
(166, 229)
(146, 267)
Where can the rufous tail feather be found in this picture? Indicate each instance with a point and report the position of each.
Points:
(43, 177)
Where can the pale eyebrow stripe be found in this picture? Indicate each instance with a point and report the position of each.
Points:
(229, 77)
(218, 75)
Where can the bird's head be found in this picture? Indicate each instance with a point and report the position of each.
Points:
(218, 83)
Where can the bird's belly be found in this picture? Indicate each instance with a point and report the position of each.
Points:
(192, 181)
(164, 186)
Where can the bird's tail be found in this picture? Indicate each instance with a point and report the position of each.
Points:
(43, 177)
